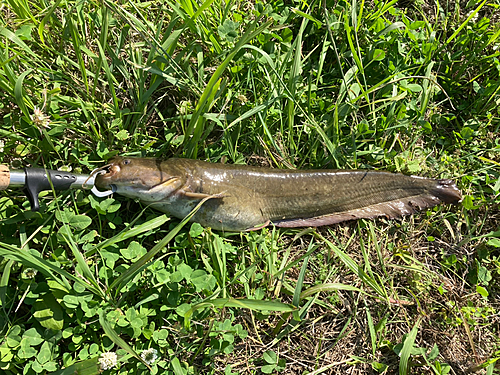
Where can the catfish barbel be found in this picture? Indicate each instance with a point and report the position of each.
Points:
(249, 198)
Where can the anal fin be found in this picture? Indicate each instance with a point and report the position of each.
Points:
(391, 210)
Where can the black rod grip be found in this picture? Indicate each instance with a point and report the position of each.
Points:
(40, 179)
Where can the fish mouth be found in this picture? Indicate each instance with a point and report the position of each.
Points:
(104, 174)
(107, 171)
(110, 170)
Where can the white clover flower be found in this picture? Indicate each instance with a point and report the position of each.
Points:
(108, 360)
(149, 356)
(475, 18)
(30, 273)
(184, 107)
(39, 118)
(242, 98)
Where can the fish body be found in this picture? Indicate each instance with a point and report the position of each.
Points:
(247, 198)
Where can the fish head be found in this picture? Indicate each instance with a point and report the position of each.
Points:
(136, 177)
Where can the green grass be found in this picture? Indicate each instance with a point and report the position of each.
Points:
(412, 88)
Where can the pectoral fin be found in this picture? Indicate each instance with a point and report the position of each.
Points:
(165, 189)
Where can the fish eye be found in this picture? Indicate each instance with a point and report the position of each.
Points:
(126, 161)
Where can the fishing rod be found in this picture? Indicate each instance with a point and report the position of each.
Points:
(35, 180)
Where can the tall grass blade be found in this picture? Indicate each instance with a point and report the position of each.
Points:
(4, 31)
(19, 95)
(110, 78)
(87, 367)
(392, 26)
(176, 366)
(43, 266)
(298, 288)
(80, 259)
(471, 16)
(196, 123)
(130, 232)
(328, 287)
(252, 304)
(377, 246)
(407, 349)
(350, 41)
(300, 281)
(4, 282)
(295, 73)
(43, 22)
(218, 253)
(317, 22)
(490, 369)
(355, 268)
(250, 113)
(202, 8)
(427, 89)
(371, 329)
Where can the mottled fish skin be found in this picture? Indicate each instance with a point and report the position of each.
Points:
(253, 197)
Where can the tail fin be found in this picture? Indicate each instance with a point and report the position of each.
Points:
(447, 192)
